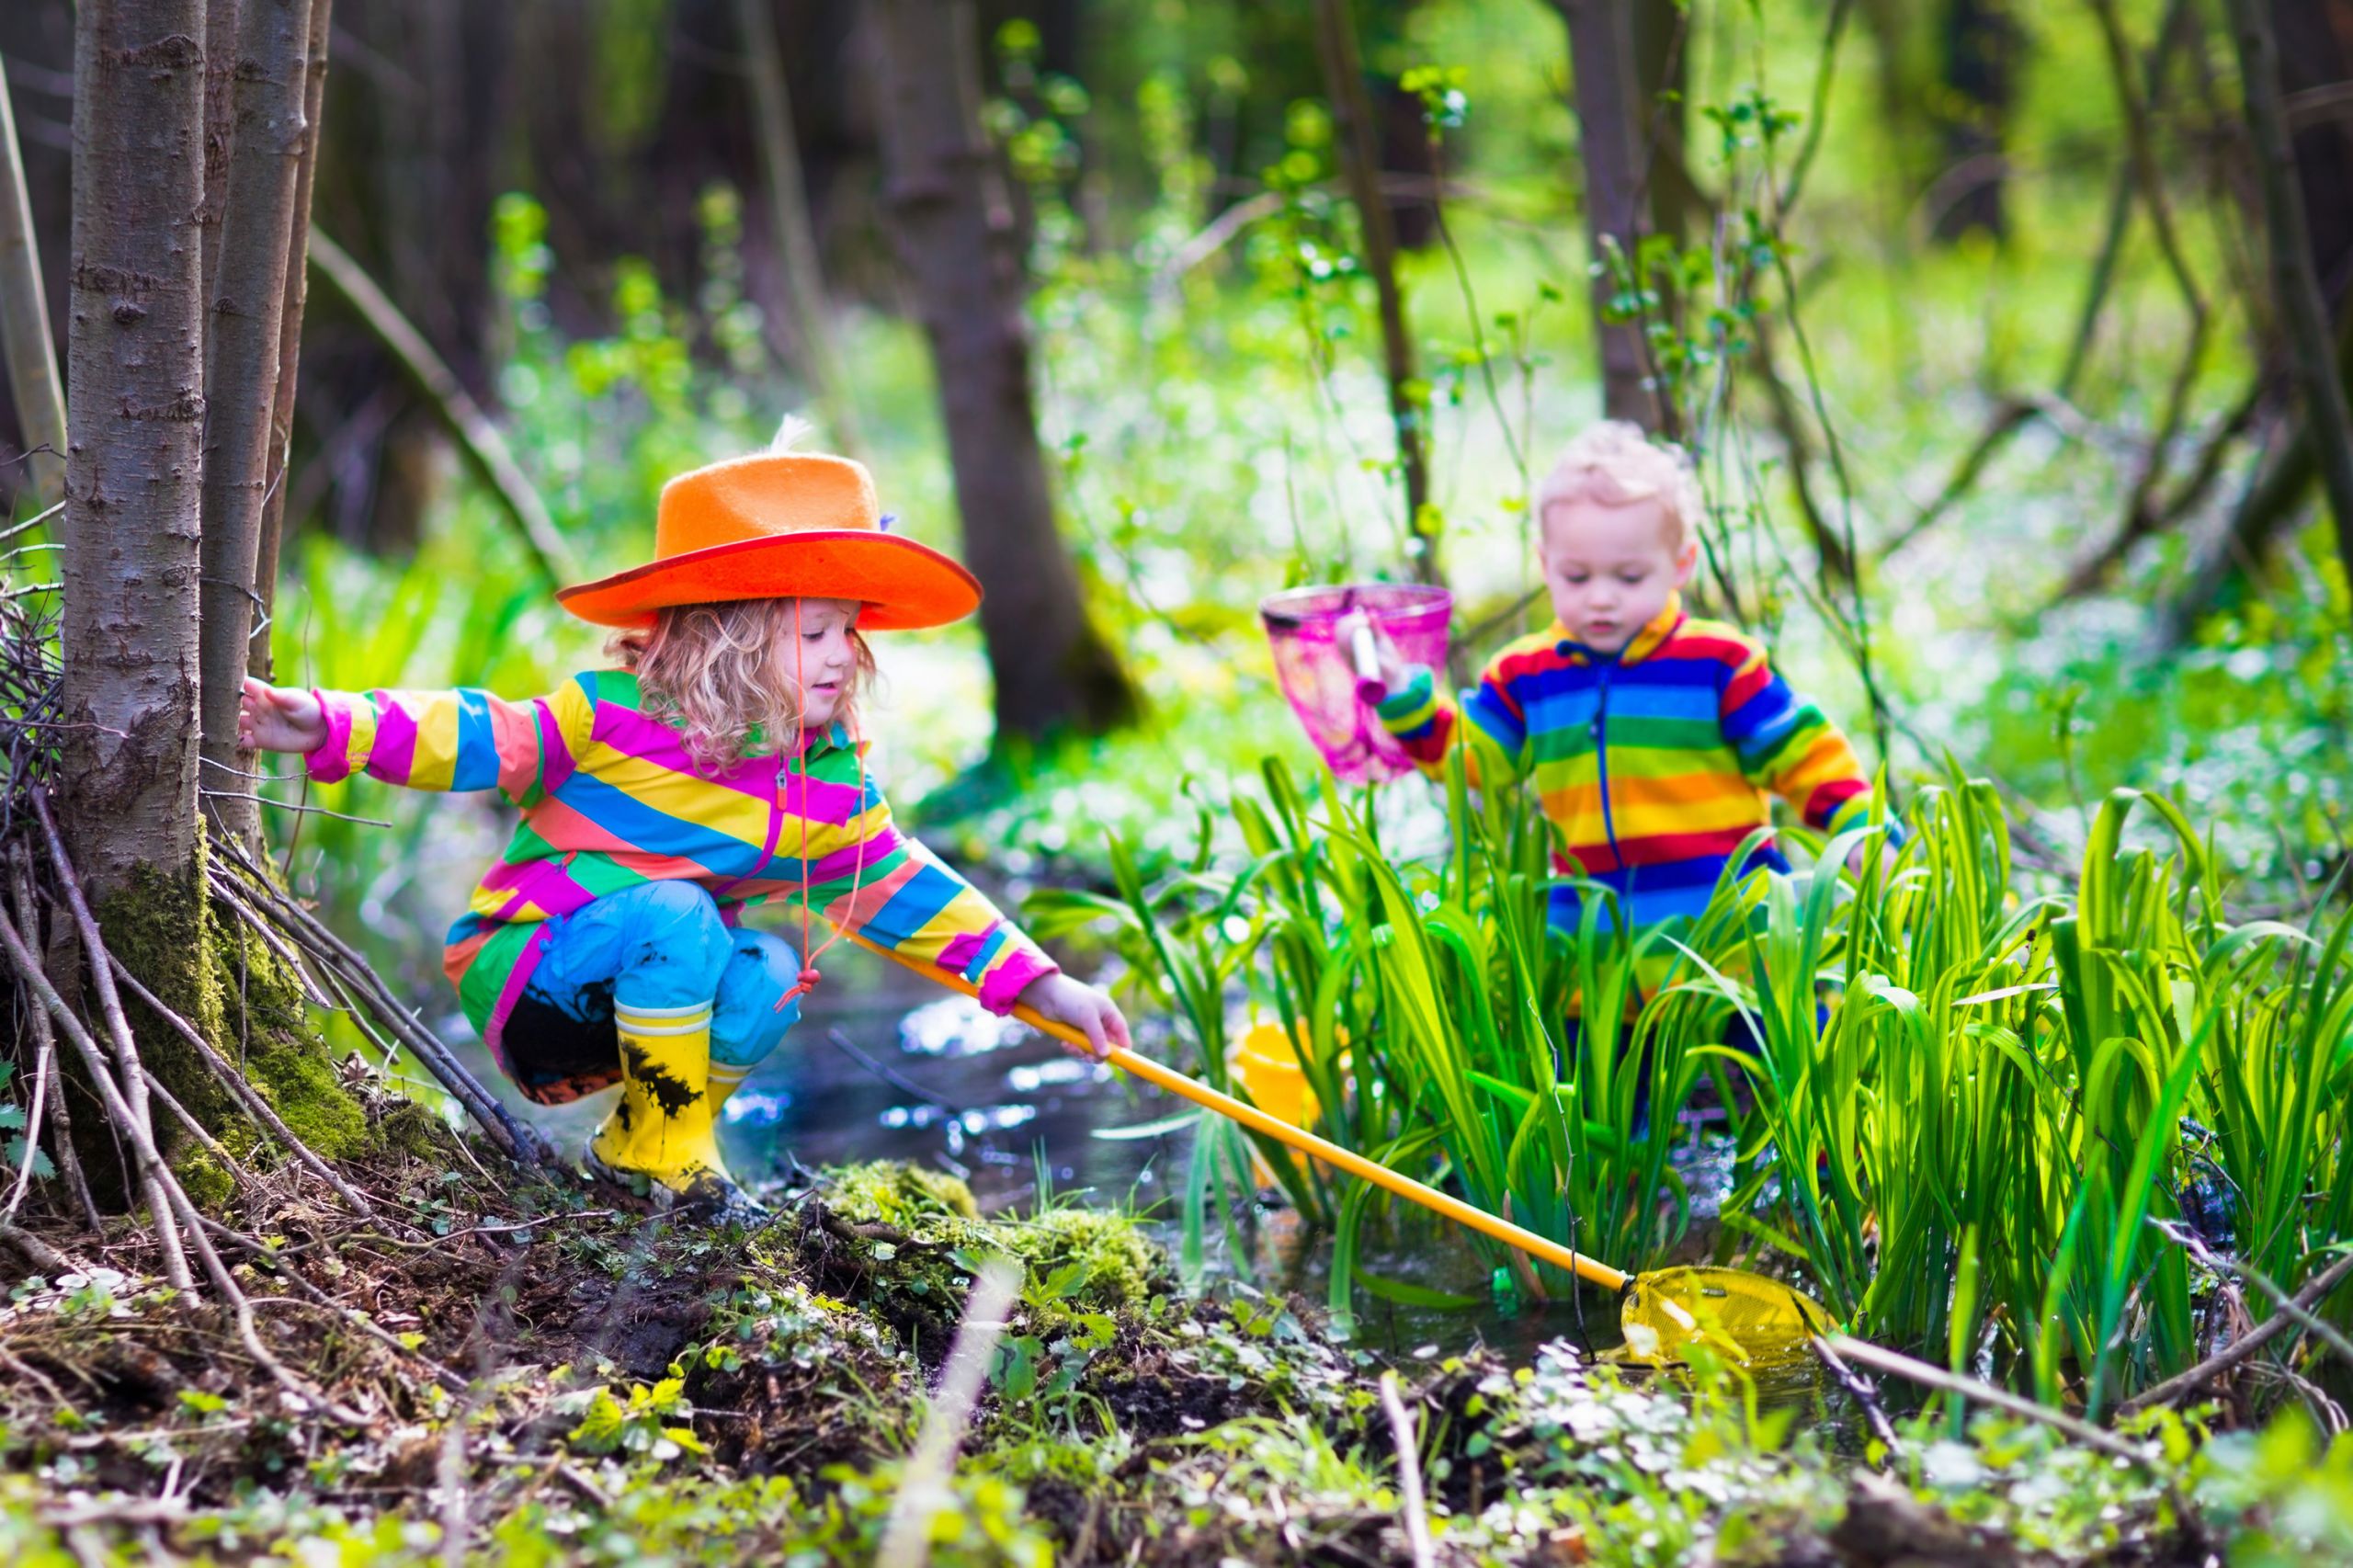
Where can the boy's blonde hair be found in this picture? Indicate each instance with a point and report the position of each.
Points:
(713, 670)
(1614, 463)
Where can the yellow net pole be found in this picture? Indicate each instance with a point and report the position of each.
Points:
(1298, 1137)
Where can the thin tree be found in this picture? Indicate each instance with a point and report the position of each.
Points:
(1336, 39)
(290, 336)
(1601, 69)
(809, 317)
(24, 323)
(248, 309)
(135, 354)
(2303, 316)
(944, 193)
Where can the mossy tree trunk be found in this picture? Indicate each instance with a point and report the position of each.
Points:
(129, 785)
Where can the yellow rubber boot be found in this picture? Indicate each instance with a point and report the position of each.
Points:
(724, 1080)
(664, 1127)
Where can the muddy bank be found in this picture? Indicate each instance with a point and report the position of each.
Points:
(543, 1372)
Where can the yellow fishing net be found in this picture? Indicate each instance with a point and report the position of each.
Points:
(1743, 1315)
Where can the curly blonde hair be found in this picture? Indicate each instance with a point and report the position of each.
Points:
(1615, 464)
(712, 670)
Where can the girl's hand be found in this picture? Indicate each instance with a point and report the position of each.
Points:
(1392, 669)
(1062, 1000)
(279, 718)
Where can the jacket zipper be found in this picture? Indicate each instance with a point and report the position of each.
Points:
(776, 831)
(1601, 761)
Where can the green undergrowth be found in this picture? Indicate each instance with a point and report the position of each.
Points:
(628, 1389)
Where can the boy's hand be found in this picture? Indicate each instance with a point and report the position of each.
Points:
(1869, 850)
(279, 718)
(1391, 670)
(1062, 1000)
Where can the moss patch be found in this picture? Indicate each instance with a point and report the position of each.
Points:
(224, 980)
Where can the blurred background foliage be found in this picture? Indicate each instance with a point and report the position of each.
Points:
(567, 197)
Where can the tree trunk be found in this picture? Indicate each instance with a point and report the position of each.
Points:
(2315, 52)
(2303, 316)
(219, 39)
(290, 338)
(24, 323)
(135, 464)
(241, 375)
(948, 216)
(1335, 40)
(1662, 55)
(1981, 48)
(809, 314)
(1601, 85)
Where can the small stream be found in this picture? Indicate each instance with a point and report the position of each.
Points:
(944, 1084)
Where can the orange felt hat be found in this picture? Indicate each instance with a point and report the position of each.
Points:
(779, 526)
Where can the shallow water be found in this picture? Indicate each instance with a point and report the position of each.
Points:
(946, 1085)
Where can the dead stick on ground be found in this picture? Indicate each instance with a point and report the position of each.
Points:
(44, 1064)
(39, 1253)
(132, 1084)
(1863, 1396)
(1409, 1470)
(2315, 1292)
(2144, 1456)
(514, 1140)
(2187, 1239)
(230, 1162)
(352, 1315)
(923, 1486)
(69, 1159)
(234, 1082)
(147, 1166)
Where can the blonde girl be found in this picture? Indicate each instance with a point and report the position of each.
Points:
(722, 764)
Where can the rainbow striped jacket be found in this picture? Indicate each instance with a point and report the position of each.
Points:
(1655, 764)
(611, 799)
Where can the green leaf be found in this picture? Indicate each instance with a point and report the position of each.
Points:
(1410, 1295)
(599, 1431)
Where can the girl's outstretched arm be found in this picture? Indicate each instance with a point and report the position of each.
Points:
(893, 891)
(465, 739)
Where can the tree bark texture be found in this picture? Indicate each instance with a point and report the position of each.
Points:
(946, 202)
(796, 235)
(1601, 71)
(290, 337)
(2303, 314)
(219, 39)
(1661, 41)
(1981, 41)
(24, 323)
(134, 423)
(1335, 38)
(242, 364)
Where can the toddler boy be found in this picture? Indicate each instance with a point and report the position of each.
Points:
(1651, 738)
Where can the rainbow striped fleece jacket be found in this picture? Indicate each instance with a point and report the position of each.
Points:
(1655, 764)
(611, 799)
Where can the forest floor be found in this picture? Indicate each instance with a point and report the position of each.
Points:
(539, 1370)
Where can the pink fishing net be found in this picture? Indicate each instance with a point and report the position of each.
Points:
(1319, 673)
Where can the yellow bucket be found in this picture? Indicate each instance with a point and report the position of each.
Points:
(1264, 1063)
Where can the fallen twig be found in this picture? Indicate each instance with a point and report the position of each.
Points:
(906, 1539)
(362, 983)
(246, 1093)
(1865, 1398)
(1409, 1471)
(2314, 1290)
